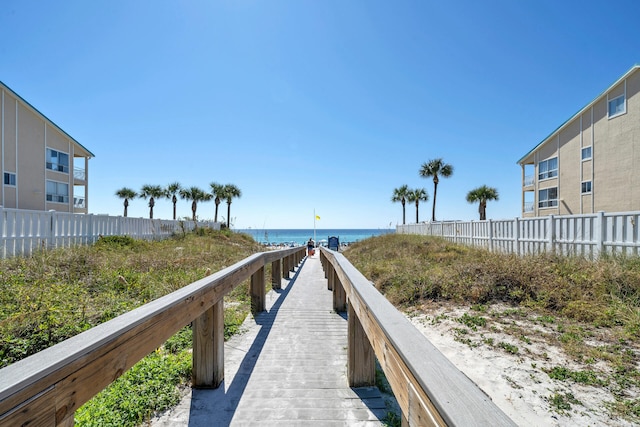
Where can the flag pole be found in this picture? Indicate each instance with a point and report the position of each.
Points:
(314, 225)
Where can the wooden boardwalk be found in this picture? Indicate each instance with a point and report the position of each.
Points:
(287, 368)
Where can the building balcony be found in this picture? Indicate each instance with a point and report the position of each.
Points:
(79, 174)
(529, 206)
(79, 202)
(528, 181)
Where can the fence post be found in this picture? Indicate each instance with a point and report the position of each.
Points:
(551, 237)
(489, 224)
(90, 237)
(3, 228)
(52, 234)
(516, 235)
(600, 231)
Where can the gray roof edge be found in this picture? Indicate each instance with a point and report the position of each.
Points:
(45, 117)
(633, 69)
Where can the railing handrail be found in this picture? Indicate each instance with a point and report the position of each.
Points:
(55, 382)
(429, 388)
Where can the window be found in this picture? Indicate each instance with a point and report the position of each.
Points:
(586, 187)
(57, 192)
(586, 153)
(548, 197)
(57, 161)
(617, 106)
(548, 168)
(9, 178)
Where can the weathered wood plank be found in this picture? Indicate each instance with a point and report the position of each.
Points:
(276, 274)
(339, 295)
(208, 348)
(361, 366)
(257, 291)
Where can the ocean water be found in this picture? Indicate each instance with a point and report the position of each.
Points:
(301, 236)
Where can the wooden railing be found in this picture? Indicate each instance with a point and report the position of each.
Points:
(47, 388)
(428, 387)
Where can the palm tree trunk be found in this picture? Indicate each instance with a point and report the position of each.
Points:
(215, 217)
(435, 192)
(416, 211)
(228, 214)
(174, 200)
(151, 205)
(126, 205)
(194, 207)
(403, 212)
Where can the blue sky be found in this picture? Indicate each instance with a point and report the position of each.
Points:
(325, 105)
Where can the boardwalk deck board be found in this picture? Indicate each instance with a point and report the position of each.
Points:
(287, 368)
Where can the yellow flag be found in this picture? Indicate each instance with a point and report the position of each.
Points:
(317, 216)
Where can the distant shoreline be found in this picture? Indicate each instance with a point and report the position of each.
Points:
(299, 236)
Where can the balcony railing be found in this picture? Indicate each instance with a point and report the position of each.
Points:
(78, 202)
(528, 180)
(528, 206)
(79, 173)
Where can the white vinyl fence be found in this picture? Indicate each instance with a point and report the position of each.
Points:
(23, 231)
(583, 235)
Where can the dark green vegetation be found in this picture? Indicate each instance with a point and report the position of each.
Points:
(54, 295)
(591, 310)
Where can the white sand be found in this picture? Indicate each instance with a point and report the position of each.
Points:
(517, 382)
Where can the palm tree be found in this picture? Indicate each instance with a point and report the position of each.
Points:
(171, 193)
(217, 191)
(195, 195)
(400, 195)
(126, 194)
(230, 192)
(482, 194)
(417, 195)
(435, 168)
(152, 192)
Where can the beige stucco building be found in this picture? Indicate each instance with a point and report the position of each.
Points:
(43, 167)
(591, 162)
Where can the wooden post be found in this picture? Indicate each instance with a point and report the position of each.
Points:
(330, 276)
(361, 361)
(339, 295)
(276, 274)
(208, 348)
(286, 266)
(257, 291)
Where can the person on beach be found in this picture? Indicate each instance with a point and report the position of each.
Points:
(310, 245)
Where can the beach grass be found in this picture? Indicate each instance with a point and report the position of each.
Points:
(55, 294)
(588, 309)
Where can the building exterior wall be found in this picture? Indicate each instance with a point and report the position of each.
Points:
(615, 151)
(569, 170)
(25, 136)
